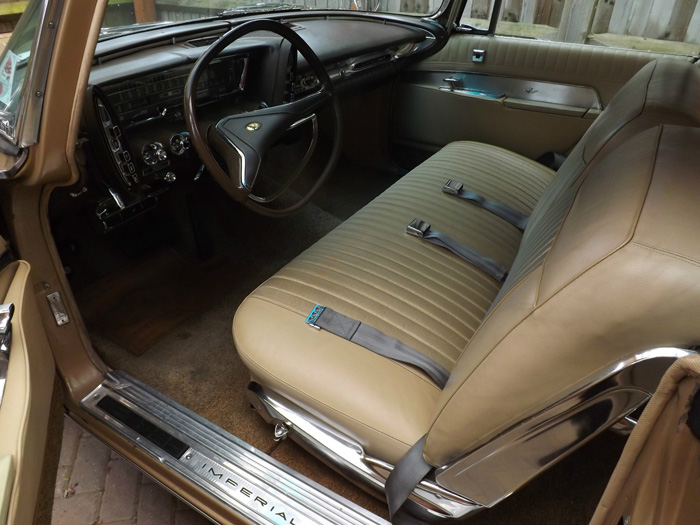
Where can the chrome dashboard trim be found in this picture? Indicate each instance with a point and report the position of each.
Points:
(497, 469)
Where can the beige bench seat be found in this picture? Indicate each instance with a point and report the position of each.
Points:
(371, 270)
(595, 237)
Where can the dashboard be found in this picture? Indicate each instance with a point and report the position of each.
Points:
(134, 136)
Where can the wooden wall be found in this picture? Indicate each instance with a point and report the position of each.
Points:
(677, 20)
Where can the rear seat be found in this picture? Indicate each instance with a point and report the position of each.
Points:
(435, 302)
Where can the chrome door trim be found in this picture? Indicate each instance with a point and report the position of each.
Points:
(497, 86)
(28, 132)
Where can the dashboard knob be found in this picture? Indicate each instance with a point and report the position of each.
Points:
(170, 177)
(153, 153)
(180, 143)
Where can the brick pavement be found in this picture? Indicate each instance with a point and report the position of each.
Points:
(96, 486)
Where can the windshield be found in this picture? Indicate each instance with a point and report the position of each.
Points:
(13, 67)
(127, 16)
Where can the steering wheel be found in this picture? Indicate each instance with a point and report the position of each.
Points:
(242, 139)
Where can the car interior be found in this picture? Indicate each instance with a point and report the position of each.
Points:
(325, 262)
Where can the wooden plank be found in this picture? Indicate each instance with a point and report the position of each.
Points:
(575, 21)
(620, 16)
(555, 16)
(421, 6)
(659, 19)
(145, 11)
(543, 11)
(692, 35)
(604, 11)
(528, 13)
(467, 13)
(681, 16)
(481, 9)
(12, 8)
(639, 17)
(511, 10)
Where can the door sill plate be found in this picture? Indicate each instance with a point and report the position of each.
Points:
(255, 486)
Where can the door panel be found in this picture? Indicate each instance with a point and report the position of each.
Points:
(526, 118)
(26, 404)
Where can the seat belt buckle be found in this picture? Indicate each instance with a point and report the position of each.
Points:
(418, 228)
(452, 187)
(314, 315)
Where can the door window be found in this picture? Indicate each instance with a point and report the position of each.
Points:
(23, 70)
(664, 26)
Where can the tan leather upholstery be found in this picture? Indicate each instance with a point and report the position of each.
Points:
(371, 270)
(662, 91)
(25, 407)
(615, 276)
(604, 68)
(428, 118)
(608, 242)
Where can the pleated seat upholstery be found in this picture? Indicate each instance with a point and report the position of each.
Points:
(371, 270)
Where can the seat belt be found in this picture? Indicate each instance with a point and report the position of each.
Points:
(375, 341)
(508, 214)
(407, 474)
(421, 229)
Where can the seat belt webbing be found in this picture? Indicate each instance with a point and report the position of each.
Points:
(422, 229)
(405, 477)
(508, 214)
(376, 341)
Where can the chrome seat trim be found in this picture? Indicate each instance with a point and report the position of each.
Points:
(6, 313)
(497, 469)
(348, 457)
(256, 487)
(494, 471)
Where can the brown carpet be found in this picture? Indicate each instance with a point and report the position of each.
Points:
(138, 305)
(191, 357)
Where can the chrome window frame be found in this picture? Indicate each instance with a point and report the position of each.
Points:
(27, 117)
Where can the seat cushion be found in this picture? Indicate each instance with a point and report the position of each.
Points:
(369, 269)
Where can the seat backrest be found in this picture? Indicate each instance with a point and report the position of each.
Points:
(610, 266)
(665, 91)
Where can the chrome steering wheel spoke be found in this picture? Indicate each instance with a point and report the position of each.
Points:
(252, 134)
